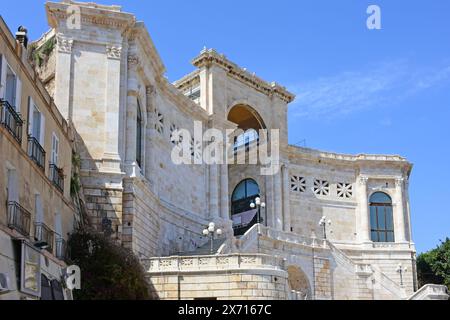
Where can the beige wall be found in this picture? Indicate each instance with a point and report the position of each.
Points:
(31, 180)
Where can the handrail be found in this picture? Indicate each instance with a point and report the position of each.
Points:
(11, 120)
(430, 290)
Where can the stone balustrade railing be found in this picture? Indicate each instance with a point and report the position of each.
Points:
(211, 263)
(431, 292)
(292, 237)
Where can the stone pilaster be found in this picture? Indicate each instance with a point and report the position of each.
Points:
(131, 116)
(214, 191)
(63, 71)
(224, 202)
(399, 212)
(286, 203)
(278, 214)
(363, 204)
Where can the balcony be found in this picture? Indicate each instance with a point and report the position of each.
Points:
(57, 177)
(36, 152)
(19, 218)
(60, 248)
(42, 233)
(11, 120)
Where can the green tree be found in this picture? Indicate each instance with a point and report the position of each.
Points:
(108, 271)
(434, 265)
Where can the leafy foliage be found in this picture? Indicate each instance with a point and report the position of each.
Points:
(75, 183)
(434, 266)
(41, 54)
(108, 271)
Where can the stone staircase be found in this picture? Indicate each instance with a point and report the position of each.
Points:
(205, 250)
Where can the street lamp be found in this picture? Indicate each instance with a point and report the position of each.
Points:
(401, 270)
(210, 232)
(323, 223)
(258, 204)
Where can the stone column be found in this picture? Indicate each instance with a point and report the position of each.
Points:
(213, 191)
(270, 209)
(278, 214)
(286, 204)
(63, 73)
(225, 211)
(363, 202)
(131, 116)
(112, 117)
(150, 131)
(399, 213)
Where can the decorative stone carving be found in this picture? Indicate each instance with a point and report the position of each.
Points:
(363, 180)
(64, 44)
(133, 60)
(345, 190)
(113, 52)
(298, 184)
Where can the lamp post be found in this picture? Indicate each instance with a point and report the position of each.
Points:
(401, 270)
(210, 232)
(258, 204)
(323, 223)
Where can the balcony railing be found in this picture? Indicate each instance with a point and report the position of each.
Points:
(57, 177)
(60, 248)
(11, 120)
(44, 234)
(18, 218)
(36, 152)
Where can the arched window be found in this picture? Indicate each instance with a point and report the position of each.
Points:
(243, 216)
(381, 218)
(139, 135)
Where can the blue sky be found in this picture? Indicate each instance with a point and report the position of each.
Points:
(359, 91)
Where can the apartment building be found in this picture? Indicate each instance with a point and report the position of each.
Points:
(36, 209)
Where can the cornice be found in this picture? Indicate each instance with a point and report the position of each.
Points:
(187, 80)
(93, 14)
(311, 154)
(211, 57)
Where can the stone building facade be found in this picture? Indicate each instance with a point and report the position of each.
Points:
(36, 209)
(107, 78)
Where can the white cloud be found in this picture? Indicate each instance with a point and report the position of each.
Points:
(350, 92)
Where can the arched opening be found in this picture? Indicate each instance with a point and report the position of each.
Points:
(242, 215)
(381, 218)
(298, 284)
(249, 121)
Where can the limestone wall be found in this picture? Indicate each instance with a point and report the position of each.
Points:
(229, 277)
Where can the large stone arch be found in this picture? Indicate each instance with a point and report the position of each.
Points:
(298, 282)
(246, 117)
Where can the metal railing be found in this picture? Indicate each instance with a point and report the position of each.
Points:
(60, 248)
(11, 120)
(36, 152)
(57, 177)
(19, 219)
(44, 234)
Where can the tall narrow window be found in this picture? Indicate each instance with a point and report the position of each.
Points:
(55, 150)
(381, 218)
(139, 135)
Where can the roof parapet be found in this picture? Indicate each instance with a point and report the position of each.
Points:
(209, 57)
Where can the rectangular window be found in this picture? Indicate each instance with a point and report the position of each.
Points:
(36, 122)
(55, 150)
(11, 87)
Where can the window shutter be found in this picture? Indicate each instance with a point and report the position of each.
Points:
(18, 94)
(42, 137)
(30, 115)
(3, 77)
(55, 149)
